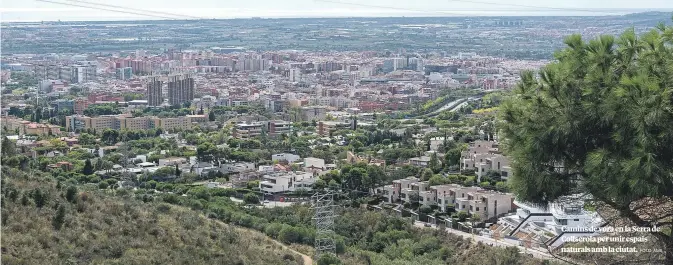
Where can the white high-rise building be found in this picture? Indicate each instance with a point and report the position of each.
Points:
(295, 75)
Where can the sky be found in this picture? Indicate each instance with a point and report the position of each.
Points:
(38, 10)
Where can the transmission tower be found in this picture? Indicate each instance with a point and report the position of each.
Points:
(323, 205)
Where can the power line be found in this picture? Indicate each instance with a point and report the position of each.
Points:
(135, 9)
(323, 204)
(105, 9)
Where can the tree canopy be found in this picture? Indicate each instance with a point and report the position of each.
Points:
(599, 121)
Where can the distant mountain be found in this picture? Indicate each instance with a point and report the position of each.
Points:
(649, 15)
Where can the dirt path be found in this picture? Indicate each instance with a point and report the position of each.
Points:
(307, 260)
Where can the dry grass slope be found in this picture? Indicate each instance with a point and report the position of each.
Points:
(99, 229)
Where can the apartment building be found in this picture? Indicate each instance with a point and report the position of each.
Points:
(100, 123)
(198, 118)
(498, 163)
(125, 122)
(404, 185)
(171, 123)
(206, 102)
(422, 161)
(124, 73)
(79, 73)
(13, 124)
(420, 188)
(153, 86)
(474, 200)
(484, 156)
(485, 204)
(312, 163)
(172, 161)
(253, 129)
(63, 105)
(324, 128)
(248, 130)
(278, 182)
(238, 167)
(290, 158)
(180, 89)
(389, 193)
(319, 100)
(79, 105)
(313, 113)
(277, 128)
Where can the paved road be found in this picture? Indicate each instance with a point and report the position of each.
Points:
(451, 106)
(271, 204)
(487, 240)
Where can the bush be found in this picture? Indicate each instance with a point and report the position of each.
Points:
(340, 246)
(71, 194)
(328, 259)
(103, 185)
(289, 235)
(461, 216)
(251, 198)
(292, 234)
(218, 192)
(171, 198)
(200, 192)
(468, 172)
(425, 209)
(273, 230)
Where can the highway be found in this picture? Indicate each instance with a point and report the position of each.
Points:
(451, 106)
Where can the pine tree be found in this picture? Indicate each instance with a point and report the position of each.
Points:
(426, 174)
(71, 194)
(598, 122)
(8, 147)
(434, 163)
(59, 218)
(39, 197)
(88, 168)
(24, 200)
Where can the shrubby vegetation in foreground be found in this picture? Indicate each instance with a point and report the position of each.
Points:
(47, 223)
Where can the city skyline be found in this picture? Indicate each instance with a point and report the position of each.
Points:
(29, 11)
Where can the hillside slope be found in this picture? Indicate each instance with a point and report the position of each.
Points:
(100, 229)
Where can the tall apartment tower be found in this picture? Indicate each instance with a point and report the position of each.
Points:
(180, 89)
(153, 85)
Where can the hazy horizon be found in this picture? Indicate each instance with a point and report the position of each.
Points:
(36, 11)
